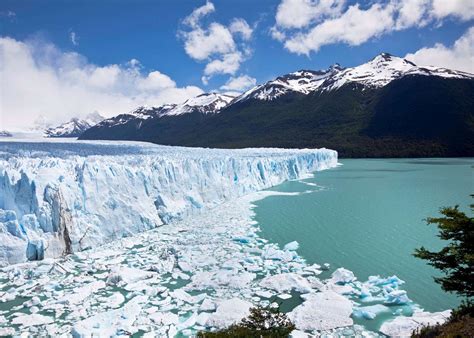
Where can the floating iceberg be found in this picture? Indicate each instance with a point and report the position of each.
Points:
(342, 276)
(58, 198)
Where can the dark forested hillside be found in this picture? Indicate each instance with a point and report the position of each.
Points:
(414, 116)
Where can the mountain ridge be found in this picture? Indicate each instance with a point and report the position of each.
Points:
(338, 108)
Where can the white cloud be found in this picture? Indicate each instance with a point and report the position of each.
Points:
(304, 26)
(156, 81)
(229, 64)
(200, 44)
(460, 56)
(74, 38)
(240, 26)
(463, 9)
(354, 27)
(277, 34)
(192, 19)
(300, 13)
(223, 48)
(412, 13)
(38, 79)
(240, 83)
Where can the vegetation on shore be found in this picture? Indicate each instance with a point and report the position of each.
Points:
(456, 261)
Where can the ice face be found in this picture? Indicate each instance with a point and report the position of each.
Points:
(59, 198)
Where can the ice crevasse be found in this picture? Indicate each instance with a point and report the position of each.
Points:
(57, 198)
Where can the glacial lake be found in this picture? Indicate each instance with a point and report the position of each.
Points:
(368, 215)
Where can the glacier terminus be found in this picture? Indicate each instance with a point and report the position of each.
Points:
(59, 198)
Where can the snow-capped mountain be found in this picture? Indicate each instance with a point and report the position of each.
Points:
(74, 127)
(376, 73)
(207, 103)
(302, 81)
(386, 107)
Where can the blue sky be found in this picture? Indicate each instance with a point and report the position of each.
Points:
(276, 40)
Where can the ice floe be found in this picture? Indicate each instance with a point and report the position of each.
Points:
(402, 326)
(322, 311)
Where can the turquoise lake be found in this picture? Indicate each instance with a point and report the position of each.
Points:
(368, 215)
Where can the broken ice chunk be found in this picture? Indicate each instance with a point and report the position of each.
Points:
(286, 282)
(32, 320)
(207, 305)
(292, 246)
(396, 297)
(370, 312)
(112, 322)
(342, 276)
(164, 318)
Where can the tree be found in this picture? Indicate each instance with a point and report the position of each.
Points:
(456, 259)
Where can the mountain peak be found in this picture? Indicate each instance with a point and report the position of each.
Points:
(74, 127)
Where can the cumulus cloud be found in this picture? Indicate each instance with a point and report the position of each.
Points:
(353, 27)
(229, 64)
(304, 26)
(239, 83)
(463, 9)
(412, 13)
(240, 26)
(222, 47)
(201, 44)
(38, 79)
(192, 19)
(459, 56)
(300, 13)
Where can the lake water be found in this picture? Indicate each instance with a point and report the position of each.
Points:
(368, 216)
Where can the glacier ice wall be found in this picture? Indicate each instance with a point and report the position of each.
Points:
(61, 197)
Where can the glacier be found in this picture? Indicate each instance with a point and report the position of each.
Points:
(61, 197)
(163, 242)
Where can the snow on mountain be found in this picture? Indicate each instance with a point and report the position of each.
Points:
(74, 127)
(385, 68)
(303, 81)
(376, 73)
(208, 103)
(141, 113)
(60, 197)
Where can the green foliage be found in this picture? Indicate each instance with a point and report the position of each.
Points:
(262, 322)
(465, 309)
(456, 259)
